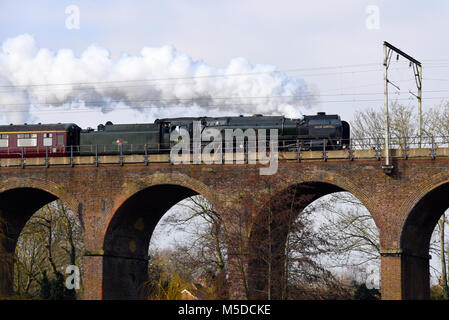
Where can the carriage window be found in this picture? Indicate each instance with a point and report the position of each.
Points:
(48, 139)
(27, 139)
(3, 140)
(60, 139)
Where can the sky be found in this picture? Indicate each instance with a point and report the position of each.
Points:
(84, 61)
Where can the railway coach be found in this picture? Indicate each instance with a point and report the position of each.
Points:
(38, 140)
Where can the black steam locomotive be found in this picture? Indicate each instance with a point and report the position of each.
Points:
(313, 132)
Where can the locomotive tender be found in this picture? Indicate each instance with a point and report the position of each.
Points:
(312, 132)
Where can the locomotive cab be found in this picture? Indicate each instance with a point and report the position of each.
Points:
(325, 131)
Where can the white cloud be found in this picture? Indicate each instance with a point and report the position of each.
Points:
(175, 81)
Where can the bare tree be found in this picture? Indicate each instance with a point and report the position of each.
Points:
(441, 223)
(436, 121)
(205, 246)
(281, 250)
(349, 225)
(49, 242)
(368, 127)
(284, 247)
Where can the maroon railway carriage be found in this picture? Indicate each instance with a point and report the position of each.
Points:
(38, 140)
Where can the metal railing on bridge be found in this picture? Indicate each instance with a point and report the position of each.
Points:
(290, 150)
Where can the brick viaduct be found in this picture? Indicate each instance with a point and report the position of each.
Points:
(119, 206)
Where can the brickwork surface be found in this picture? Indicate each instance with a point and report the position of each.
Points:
(118, 207)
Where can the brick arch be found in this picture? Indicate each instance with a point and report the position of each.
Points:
(422, 189)
(129, 189)
(19, 200)
(48, 186)
(427, 203)
(422, 219)
(130, 226)
(308, 190)
(422, 213)
(341, 182)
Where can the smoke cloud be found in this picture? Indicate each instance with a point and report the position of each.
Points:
(157, 81)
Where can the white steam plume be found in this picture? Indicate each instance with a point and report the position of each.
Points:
(32, 76)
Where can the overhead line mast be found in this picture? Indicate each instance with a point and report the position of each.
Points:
(417, 71)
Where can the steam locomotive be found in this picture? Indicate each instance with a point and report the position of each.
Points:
(312, 132)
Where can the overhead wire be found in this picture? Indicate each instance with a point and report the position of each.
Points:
(209, 105)
(177, 101)
(438, 61)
